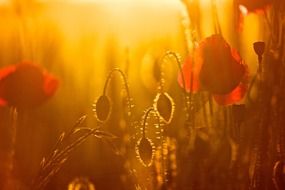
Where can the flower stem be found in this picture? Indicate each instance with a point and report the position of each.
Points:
(9, 184)
(170, 54)
(125, 81)
(217, 24)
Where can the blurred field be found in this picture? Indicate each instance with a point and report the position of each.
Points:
(80, 42)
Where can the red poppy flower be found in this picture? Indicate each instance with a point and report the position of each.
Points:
(25, 85)
(217, 68)
(247, 6)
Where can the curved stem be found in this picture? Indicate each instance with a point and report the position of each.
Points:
(110, 75)
(178, 62)
(146, 115)
(145, 119)
(193, 28)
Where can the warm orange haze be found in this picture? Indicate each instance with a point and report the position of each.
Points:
(142, 94)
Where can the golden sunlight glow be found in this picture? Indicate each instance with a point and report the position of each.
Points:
(250, 34)
(171, 2)
(205, 2)
(243, 10)
(209, 2)
(81, 41)
(125, 24)
(3, 1)
(224, 13)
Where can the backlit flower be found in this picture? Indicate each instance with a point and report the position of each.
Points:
(25, 85)
(247, 6)
(216, 68)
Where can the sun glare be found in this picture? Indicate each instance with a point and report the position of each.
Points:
(3, 2)
(243, 10)
(127, 1)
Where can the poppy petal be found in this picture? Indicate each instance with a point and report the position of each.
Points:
(50, 84)
(2, 102)
(221, 68)
(3, 74)
(234, 96)
(6, 71)
(191, 75)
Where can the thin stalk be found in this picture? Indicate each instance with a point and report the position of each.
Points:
(178, 63)
(8, 184)
(125, 81)
(146, 115)
(217, 24)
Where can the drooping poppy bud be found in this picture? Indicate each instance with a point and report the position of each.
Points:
(164, 106)
(144, 151)
(102, 108)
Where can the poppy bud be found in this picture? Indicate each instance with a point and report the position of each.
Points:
(259, 48)
(144, 151)
(102, 108)
(164, 106)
